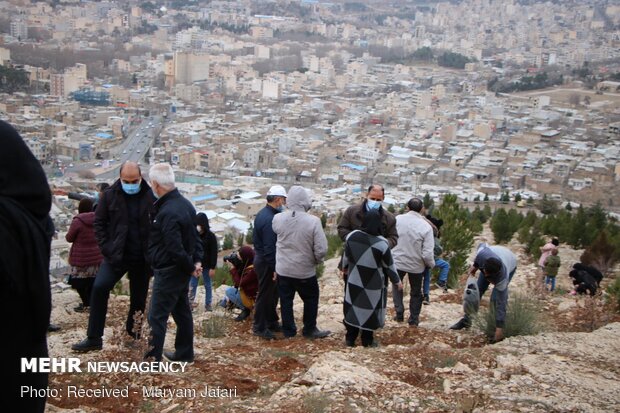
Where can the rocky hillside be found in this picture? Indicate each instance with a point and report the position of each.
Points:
(572, 367)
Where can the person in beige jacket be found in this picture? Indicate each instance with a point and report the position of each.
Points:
(300, 247)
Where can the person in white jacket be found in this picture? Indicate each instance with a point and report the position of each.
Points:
(412, 255)
(301, 246)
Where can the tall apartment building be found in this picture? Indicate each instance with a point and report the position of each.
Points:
(190, 67)
(19, 29)
(71, 80)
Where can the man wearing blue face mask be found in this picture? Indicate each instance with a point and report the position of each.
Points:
(122, 223)
(354, 216)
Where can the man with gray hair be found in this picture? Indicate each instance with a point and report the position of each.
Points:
(412, 254)
(175, 252)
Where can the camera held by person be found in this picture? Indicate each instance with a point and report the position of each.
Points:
(234, 259)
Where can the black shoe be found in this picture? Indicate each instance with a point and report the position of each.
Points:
(53, 328)
(245, 313)
(399, 317)
(81, 308)
(427, 299)
(316, 333)
(413, 323)
(461, 324)
(349, 343)
(88, 344)
(440, 284)
(172, 356)
(275, 328)
(371, 344)
(266, 334)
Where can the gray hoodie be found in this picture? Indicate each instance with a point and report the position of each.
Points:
(301, 244)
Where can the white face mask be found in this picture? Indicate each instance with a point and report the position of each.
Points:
(199, 229)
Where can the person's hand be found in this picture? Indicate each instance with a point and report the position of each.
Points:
(499, 335)
(399, 286)
(212, 273)
(198, 269)
(275, 276)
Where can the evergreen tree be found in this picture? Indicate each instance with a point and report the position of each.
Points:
(530, 201)
(323, 220)
(240, 240)
(391, 209)
(578, 228)
(428, 203)
(477, 199)
(547, 206)
(500, 225)
(486, 197)
(487, 211)
(601, 254)
(228, 242)
(457, 236)
(518, 197)
(568, 206)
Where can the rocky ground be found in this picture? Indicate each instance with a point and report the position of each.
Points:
(572, 367)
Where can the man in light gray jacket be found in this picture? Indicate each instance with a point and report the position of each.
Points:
(412, 254)
(301, 246)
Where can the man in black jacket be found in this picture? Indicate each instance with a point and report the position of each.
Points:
(122, 221)
(175, 250)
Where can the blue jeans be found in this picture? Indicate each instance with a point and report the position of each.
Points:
(444, 269)
(308, 290)
(193, 286)
(234, 296)
(550, 281)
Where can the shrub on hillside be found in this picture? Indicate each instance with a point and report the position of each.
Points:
(522, 318)
(614, 293)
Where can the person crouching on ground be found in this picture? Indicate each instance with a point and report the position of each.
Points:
(243, 294)
(367, 266)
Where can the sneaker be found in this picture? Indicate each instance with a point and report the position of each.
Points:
(266, 334)
(88, 344)
(316, 333)
(172, 356)
(372, 344)
(399, 317)
(440, 284)
(461, 324)
(426, 300)
(245, 313)
(208, 308)
(349, 343)
(413, 323)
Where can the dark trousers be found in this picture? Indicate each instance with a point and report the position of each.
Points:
(105, 280)
(265, 314)
(352, 333)
(170, 296)
(415, 301)
(308, 290)
(84, 287)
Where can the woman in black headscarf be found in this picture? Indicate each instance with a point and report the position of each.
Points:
(368, 262)
(25, 238)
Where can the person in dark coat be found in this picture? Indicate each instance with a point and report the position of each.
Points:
(584, 282)
(264, 240)
(26, 231)
(366, 280)
(122, 222)
(354, 215)
(84, 255)
(175, 251)
(594, 273)
(209, 260)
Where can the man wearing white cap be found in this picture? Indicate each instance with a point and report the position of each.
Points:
(264, 239)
